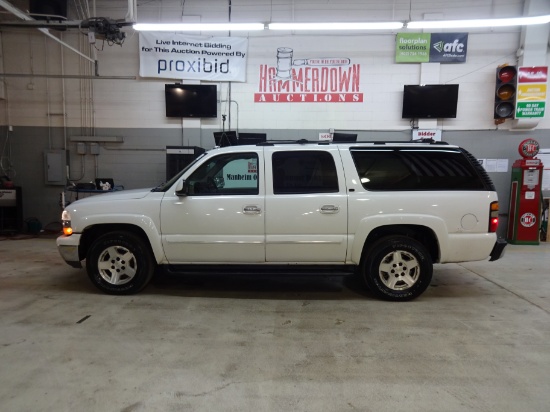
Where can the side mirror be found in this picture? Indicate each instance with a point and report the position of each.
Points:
(182, 188)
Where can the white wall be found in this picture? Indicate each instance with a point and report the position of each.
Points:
(140, 103)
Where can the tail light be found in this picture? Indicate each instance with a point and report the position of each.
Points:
(493, 217)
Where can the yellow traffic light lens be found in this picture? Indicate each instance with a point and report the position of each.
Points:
(506, 92)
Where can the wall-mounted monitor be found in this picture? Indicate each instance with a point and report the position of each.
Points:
(191, 100)
(430, 101)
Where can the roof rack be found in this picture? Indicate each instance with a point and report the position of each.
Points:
(428, 140)
(299, 141)
(327, 142)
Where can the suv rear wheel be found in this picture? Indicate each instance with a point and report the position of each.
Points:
(397, 268)
(120, 263)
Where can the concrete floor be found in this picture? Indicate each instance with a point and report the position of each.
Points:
(477, 340)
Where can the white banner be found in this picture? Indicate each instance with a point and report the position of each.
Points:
(179, 56)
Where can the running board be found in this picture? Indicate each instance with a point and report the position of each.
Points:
(282, 270)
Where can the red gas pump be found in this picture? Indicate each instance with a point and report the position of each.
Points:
(525, 196)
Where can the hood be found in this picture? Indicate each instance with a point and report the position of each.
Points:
(114, 196)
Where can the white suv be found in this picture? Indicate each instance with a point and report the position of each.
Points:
(385, 210)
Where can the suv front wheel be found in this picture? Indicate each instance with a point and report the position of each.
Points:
(397, 268)
(120, 263)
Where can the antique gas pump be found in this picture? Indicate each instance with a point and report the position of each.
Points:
(525, 196)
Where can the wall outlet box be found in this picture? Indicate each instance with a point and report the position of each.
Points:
(81, 148)
(94, 148)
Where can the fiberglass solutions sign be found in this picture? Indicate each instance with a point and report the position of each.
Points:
(431, 47)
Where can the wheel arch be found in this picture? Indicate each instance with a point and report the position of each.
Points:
(420, 233)
(91, 233)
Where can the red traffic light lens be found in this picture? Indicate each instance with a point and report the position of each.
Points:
(506, 73)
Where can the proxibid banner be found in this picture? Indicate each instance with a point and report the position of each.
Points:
(178, 56)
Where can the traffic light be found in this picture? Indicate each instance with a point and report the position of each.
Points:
(505, 92)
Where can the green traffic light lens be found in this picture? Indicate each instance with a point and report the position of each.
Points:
(504, 109)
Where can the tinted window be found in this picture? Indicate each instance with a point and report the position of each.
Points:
(304, 172)
(227, 174)
(416, 169)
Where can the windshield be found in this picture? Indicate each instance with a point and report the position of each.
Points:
(163, 187)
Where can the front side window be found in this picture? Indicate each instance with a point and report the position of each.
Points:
(299, 172)
(413, 169)
(228, 174)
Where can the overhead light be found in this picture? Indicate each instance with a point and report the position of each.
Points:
(392, 25)
(453, 24)
(199, 26)
(328, 26)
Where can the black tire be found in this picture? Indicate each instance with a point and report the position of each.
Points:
(120, 263)
(397, 268)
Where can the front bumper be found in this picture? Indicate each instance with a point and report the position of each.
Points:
(498, 249)
(68, 249)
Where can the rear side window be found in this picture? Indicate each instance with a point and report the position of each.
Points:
(416, 169)
(299, 172)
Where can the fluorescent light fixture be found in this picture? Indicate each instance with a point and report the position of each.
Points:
(199, 26)
(453, 24)
(392, 25)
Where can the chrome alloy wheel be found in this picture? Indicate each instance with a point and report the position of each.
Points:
(117, 265)
(399, 270)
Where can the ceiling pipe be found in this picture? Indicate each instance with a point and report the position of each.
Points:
(131, 16)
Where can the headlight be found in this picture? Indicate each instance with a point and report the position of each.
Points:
(66, 223)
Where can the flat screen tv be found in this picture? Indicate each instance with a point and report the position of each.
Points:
(430, 101)
(191, 100)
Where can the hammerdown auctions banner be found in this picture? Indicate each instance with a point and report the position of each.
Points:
(179, 56)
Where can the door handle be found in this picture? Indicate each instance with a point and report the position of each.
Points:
(328, 209)
(252, 210)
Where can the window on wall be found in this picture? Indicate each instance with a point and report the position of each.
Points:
(405, 169)
(299, 172)
(229, 174)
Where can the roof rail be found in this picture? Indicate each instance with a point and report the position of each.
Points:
(428, 140)
(327, 142)
(299, 141)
